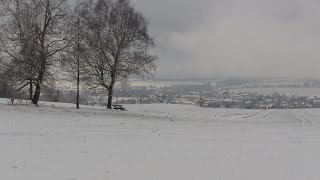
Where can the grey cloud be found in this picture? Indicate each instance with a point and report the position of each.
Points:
(235, 37)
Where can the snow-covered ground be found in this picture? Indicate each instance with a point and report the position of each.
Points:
(158, 142)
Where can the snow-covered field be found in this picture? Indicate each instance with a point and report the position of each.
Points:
(158, 142)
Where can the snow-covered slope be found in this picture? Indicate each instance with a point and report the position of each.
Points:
(158, 142)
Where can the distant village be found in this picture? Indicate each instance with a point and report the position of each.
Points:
(244, 100)
(209, 96)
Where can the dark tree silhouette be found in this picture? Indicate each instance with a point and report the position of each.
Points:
(117, 43)
(32, 37)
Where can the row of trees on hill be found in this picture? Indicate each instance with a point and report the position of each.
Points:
(99, 43)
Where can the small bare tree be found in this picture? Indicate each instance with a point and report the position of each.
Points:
(32, 37)
(117, 43)
(71, 59)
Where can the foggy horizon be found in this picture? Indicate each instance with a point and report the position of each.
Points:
(248, 38)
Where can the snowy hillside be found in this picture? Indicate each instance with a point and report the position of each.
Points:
(158, 142)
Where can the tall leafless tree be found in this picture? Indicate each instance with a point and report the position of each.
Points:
(117, 43)
(32, 36)
(71, 59)
(16, 43)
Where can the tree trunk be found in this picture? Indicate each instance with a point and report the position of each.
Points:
(31, 90)
(110, 93)
(110, 89)
(36, 96)
(78, 58)
(78, 96)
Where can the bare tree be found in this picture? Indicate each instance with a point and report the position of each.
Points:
(71, 60)
(16, 43)
(117, 43)
(32, 37)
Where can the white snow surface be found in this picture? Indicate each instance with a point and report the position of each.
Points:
(157, 142)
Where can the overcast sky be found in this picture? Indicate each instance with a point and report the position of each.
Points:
(235, 37)
(259, 38)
